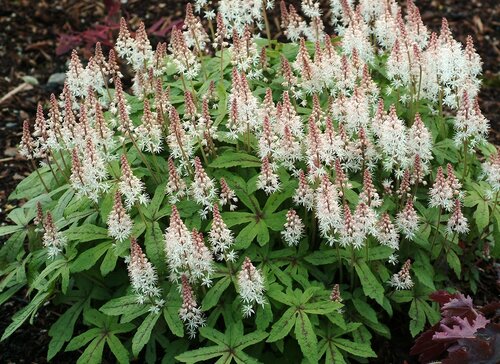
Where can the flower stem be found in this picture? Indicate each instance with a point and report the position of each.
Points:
(353, 259)
(339, 258)
(465, 160)
(52, 170)
(266, 21)
(437, 229)
(39, 176)
(143, 158)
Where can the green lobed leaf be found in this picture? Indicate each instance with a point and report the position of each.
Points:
(155, 244)
(13, 246)
(62, 330)
(21, 216)
(322, 308)
(6, 295)
(371, 286)
(472, 199)
(78, 341)
(239, 186)
(355, 348)
(246, 236)
(11, 229)
(242, 358)
(417, 314)
(143, 332)
(236, 218)
(195, 356)
(445, 150)
(251, 339)
(402, 296)
(276, 220)
(454, 262)
(157, 199)
(365, 310)
(337, 319)
(424, 275)
(262, 233)
(213, 335)
(482, 215)
(276, 199)
(85, 233)
(62, 204)
(333, 355)
(171, 315)
(380, 253)
(212, 297)
(119, 351)
(109, 262)
(88, 258)
(93, 352)
(322, 257)
(94, 317)
(305, 335)
(276, 294)
(120, 305)
(53, 266)
(234, 332)
(235, 159)
(263, 317)
(283, 326)
(433, 315)
(360, 332)
(21, 316)
(31, 187)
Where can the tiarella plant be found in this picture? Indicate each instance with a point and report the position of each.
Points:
(251, 200)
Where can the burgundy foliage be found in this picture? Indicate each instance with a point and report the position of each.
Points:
(464, 334)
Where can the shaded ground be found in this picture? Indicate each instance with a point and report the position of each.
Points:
(28, 43)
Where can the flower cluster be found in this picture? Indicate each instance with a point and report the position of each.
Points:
(119, 222)
(189, 312)
(251, 287)
(186, 253)
(53, 240)
(143, 277)
(294, 228)
(402, 279)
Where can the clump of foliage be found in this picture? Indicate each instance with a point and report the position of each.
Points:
(463, 333)
(252, 200)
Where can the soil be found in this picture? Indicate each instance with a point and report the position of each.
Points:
(29, 46)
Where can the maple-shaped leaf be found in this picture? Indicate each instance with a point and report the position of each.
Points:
(484, 348)
(442, 297)
(428, 349)
(461, 328)
(459, 306)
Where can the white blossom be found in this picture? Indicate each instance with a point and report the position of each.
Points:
(251, 287)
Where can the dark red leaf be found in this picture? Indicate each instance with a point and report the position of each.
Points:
(112, 7)
(490, 308)
(484, 348)
(161, 29)
(67, 42)
(460, 306)
(427, 349)
(456, 328)
(457, 355)
(442, 297)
